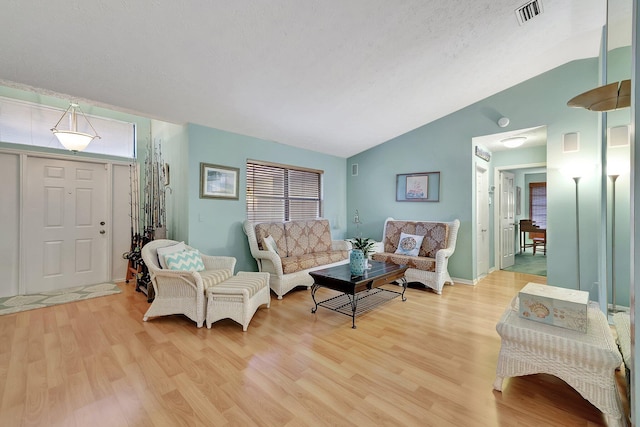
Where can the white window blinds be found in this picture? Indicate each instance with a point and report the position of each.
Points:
(282, 193)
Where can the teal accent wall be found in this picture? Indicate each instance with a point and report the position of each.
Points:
(445, 145)
(215, 226)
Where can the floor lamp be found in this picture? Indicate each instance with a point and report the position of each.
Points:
(613, 242)
(576, 179)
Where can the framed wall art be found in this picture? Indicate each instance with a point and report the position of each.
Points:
(418, 187)
(219, 182)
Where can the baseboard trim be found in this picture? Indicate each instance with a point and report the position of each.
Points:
(457, 280)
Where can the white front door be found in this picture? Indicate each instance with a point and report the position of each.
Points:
(482, 222)
(65, 223)
(507, 220)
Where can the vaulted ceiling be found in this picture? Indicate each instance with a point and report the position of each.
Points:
(332, 76)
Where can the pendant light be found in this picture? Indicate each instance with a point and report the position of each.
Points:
(604, 98)
(72, 139)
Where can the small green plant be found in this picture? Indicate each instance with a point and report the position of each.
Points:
(365, 244)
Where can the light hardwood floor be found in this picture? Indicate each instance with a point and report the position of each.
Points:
(429, 361)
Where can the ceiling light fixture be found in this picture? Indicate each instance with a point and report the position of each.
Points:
(514, 142)
(604, 98)
(72, 139)
(503, 122)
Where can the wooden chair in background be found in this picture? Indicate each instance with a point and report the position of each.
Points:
(537, 235)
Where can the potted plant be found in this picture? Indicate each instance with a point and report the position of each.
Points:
(364, 244)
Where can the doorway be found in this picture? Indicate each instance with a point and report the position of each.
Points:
(507, 202)
(62, 226)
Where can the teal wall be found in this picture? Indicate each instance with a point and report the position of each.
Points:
(215, 226)
(445, 145)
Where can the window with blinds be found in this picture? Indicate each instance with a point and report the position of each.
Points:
(538, 203)
(282, 193)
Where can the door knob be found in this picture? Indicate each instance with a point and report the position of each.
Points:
(102, 231)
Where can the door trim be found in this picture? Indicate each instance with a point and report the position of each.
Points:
(23, 156)
(496, 212)
(485, 171)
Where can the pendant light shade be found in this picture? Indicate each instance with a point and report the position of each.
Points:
(72, 139)
(604, 98)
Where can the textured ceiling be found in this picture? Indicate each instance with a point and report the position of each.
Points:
(332, 76)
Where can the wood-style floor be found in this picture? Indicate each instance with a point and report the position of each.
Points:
(429, 361)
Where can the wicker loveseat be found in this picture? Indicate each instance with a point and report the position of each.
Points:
(297, 247)
(429, 267)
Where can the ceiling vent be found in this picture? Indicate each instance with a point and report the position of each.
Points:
(529, 11)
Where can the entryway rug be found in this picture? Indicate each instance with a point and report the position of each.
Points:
(18, 303)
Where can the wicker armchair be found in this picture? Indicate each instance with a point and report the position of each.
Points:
(183, 292)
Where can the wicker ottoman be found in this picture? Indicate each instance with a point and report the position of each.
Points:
(585, 361)
(238, 298)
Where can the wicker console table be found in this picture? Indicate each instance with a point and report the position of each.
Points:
(585, 361)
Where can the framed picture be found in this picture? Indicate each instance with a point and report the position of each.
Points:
(518, 201)
(418, 187)
(218, 182)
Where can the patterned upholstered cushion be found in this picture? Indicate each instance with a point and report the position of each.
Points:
(307, 237)
(435, 234)
(275, 230)
(301, 244)
(297, 236)
(436, 237)
(420, 263)
(319, 236)
(297, 263)
(189, 260)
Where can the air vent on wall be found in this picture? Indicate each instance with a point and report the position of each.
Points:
(529, 11)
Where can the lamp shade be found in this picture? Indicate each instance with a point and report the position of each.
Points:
(604, 98)
(72, 139)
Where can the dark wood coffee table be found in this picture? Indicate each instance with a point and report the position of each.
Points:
(363, 289)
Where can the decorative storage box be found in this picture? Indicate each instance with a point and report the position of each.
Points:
(555, 306)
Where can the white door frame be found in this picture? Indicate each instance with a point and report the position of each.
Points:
(496, 212)
(23, 156)
(482, 248)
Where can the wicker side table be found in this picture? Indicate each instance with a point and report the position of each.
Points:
(585, 361)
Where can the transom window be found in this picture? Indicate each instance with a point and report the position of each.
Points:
(28, 123)
(278, 192)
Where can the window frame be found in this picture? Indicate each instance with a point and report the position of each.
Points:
(257, 174)
(534, 215)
